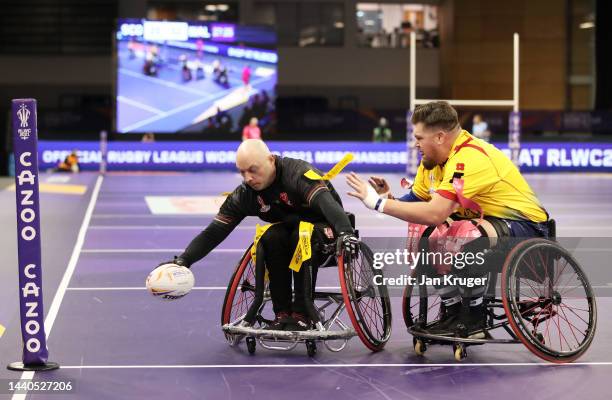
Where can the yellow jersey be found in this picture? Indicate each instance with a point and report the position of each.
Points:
(490, 179)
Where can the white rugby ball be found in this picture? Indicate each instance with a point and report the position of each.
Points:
(170, 281)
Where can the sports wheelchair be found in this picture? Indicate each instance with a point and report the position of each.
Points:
(367, 305)
(544, 301)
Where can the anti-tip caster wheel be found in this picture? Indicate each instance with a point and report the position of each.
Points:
(419, 346)
(311, 348)
(460, 351)
(250, 341)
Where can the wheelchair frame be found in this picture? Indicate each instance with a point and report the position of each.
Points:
(520, 318)
(243, 319)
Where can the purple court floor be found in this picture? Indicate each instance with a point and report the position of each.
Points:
(115, 341)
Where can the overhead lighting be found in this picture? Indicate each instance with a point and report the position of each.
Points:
(338, 25)
(222, 7)
(587, 25)
(211, 7)
(360, 14)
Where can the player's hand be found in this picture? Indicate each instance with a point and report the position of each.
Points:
(406, 183)
(349, 243)
(380, 185)
(178, 261)
(363, 191)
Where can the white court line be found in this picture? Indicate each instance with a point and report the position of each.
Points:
(140, 105)
(61, 290)
(534, 364)
(156, 250)
(84, 289)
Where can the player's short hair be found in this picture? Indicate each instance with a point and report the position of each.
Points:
(436, 115)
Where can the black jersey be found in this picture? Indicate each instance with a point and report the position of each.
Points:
(291, 196)
(291, 193)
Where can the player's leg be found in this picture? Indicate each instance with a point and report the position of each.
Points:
(462, 305)
(472, 317)
(278, 243)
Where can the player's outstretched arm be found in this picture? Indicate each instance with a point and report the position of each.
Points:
(206, 241)
(433, 212)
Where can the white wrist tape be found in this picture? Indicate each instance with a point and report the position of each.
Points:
(373, 201)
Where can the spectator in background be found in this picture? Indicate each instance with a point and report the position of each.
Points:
(251, 131)
(480, 128)
(148, 138)
(246, 77)
(381, 133)
(70, 163)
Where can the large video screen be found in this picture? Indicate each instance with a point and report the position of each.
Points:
(194, 77)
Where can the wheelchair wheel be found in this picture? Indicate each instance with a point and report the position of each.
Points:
(548, 300)
(411, 303)
(367, 304)
(240, 291)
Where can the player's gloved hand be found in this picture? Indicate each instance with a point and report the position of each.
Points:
(178, 261)
(349, 243)
(380, 185)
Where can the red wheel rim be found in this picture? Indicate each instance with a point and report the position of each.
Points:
(237, 306)
(371, 315)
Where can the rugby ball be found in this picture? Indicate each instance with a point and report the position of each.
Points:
(170, 281)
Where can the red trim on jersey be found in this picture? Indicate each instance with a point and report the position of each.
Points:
(447, 194)
(467, 144)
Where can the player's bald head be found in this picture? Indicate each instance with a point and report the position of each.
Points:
(251, 150)
(255, 163)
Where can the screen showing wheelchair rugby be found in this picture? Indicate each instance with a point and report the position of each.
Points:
(193, 77)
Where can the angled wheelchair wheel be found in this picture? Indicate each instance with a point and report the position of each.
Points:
(548, 300)
(240, 292)
(414, 296)
(367, 304)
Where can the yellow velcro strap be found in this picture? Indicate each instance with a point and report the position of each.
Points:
(2, 330)
(331, 174)
(303, 250)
